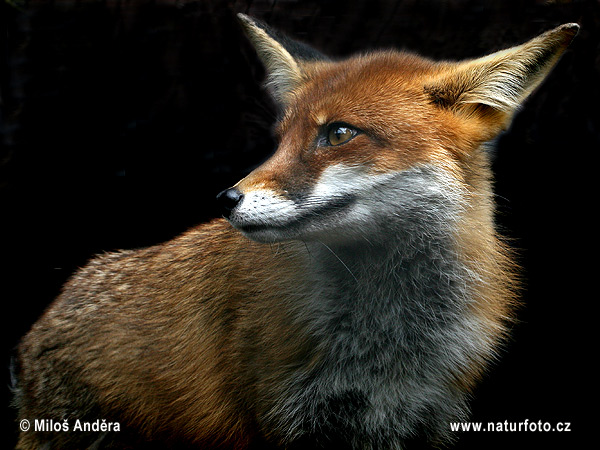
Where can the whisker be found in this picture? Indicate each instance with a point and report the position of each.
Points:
(338, 258)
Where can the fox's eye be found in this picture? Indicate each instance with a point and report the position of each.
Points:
(338, 134)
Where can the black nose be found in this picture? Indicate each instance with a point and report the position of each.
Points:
(229, 199)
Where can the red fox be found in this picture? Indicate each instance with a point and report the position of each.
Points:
(352, 297)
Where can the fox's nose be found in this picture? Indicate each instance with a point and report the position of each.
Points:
(229, 199)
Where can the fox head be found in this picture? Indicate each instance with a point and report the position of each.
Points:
(374, 138)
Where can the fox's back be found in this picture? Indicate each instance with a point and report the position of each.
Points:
(178, 321)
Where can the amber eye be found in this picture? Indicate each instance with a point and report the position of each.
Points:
(338, 134)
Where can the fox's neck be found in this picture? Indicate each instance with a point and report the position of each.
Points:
(392, 335)
(409, 289)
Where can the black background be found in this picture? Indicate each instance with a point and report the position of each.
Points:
(121, 121)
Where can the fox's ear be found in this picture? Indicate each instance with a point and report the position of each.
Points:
(282, 57)
(500, 82)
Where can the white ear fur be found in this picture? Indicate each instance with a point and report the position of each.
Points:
(283, 71)
(502, 80)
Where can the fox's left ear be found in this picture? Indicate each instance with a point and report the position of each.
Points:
(284, 59)
(497, 84)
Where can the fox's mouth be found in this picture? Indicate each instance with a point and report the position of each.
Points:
(307, 218)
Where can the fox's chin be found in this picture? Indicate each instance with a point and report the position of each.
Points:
(268, 233)
(298, 231)
(265, 234)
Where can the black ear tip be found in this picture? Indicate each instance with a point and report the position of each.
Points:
(567, 32)
(569, 29)
(564, 33)
(247, 20)
(251, 25)
(574, 27)
(250, 22)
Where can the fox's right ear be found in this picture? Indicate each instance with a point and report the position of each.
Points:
(282, 57)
